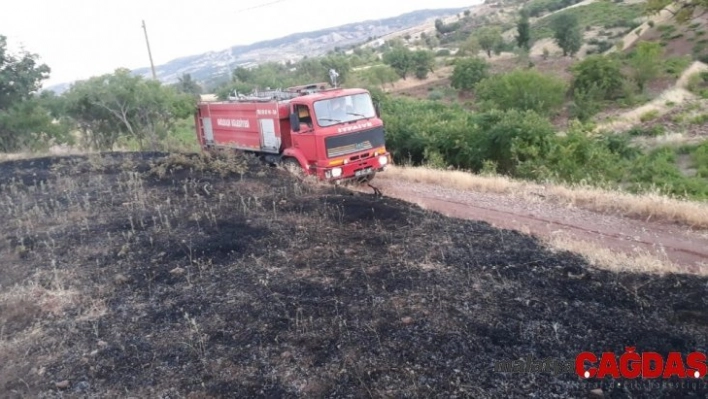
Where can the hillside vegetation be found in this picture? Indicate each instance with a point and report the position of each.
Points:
(513, 115)
(599, 15)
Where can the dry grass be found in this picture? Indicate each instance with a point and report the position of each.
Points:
(639, 206)
(604, 258)
(58, 150)
(657, 107)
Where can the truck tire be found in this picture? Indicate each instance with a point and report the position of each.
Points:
(293, 166)
(366, 179)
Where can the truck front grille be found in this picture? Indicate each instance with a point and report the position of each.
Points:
(344, 144)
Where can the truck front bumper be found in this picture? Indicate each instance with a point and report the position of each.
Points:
(356, 169)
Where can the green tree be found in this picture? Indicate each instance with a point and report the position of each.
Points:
(223, 92)
(489, 38)
(243, 75)
(311, 69)
(567, 33)
(400, 59)
(340, 63)
(468, 72)
(26, 121)
(185, 84)
(646, 62)
(382, 74)
(470, 47)
(118, 105)
(432, 41)
(523, 28)
(525, 89)
(440, 26)
(423, 63)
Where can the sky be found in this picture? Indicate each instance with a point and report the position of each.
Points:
(78, 39)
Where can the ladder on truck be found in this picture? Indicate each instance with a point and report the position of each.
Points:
(277, 94)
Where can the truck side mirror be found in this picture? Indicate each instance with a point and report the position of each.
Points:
(377, 108)
(294, 122)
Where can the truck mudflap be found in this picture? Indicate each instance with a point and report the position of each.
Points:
(364, 169)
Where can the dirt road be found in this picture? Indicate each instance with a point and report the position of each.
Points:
(545, 219)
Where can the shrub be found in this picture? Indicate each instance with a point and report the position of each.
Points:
(585, 103)
(508, 138)
(646, 62)
(579, 157)
(468, 72)
(656, 130)
(522, 90)
(700, 160)
(435, 95)
(601, 72)
(649, 115)
(659, 169)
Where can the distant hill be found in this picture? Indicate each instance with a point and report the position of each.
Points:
(218, 64)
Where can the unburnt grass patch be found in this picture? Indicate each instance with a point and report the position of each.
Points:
(155, 275)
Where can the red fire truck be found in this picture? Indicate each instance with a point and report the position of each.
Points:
(333, 133)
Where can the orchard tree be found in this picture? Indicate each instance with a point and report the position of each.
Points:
(381, 75)
(468, 72)
(470, 47)
(400, 59)
(489, 38)
(567, 33)
(423, 62)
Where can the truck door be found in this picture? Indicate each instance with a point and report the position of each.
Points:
(304, 140)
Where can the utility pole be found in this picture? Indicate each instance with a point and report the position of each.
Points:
(152, 65)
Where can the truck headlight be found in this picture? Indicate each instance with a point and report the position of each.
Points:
(336, 172)
(383, 160)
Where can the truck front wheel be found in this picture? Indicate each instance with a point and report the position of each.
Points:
(366, 179)
(293, 166)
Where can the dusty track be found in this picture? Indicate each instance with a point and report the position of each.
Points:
(545, 219)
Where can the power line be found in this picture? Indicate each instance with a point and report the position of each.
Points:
(261, 5)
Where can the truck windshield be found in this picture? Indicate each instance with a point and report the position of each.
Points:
(344, 109)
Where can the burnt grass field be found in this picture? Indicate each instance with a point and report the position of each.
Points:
(171, 276)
